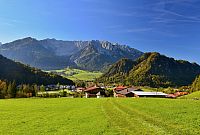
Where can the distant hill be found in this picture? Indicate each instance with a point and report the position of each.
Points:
(10, 71)
(51, 54)
(118, 71)
(152, 69)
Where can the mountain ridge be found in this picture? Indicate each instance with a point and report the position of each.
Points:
(57, 54)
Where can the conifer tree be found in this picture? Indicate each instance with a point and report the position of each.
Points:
(9, 90)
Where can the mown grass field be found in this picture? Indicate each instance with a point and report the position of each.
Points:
(77, 74)
(99, 116)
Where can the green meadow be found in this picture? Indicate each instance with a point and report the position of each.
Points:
(77, 74)
(110, 116)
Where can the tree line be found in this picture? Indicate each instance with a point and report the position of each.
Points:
(11, 90)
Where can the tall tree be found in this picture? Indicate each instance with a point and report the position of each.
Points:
(14, 89)
(42, 88)
(35, 89)
(9, 90)
(196, 85)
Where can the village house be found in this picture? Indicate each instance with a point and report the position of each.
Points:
(51, 87)
(94, 91)
(122, 91)
(117, 89)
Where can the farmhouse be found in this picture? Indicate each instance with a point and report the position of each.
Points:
(122, 91)
(94, 91)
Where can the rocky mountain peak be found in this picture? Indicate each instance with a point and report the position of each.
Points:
(52, 53)
(26, 40)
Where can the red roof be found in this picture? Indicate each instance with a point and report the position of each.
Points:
(180, 93)
(92, 88)
(118, 88)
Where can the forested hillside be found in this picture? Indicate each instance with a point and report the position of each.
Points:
(12, 71)
(152, 69)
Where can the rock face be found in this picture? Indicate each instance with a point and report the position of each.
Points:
(56, 54)
(152, 69)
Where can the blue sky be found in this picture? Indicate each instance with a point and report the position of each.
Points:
(171, 27)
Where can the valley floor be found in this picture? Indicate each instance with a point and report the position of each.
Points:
(100, 116)
(77, 74)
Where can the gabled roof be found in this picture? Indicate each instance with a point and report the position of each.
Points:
(120, 88)
(92, 88)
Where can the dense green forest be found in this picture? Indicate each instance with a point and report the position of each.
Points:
(152, 69)
(23, 74)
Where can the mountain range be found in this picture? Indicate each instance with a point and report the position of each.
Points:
(121, 63)
(152, 69)
(51, 54)
(23, 74)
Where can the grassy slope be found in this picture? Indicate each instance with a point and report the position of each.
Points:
(77, 74)
(99, 116)
(192, 95)
(149, 89)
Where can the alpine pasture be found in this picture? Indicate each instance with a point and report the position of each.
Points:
(77, 74)
(99, 116)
